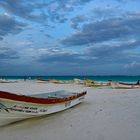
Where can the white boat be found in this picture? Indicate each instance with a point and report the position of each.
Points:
(91, 83)
(122, 85)
(15, 107)
(7, 81)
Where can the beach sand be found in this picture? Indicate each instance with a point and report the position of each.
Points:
(106, 114)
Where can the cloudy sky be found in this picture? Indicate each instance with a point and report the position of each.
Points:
(69, 37)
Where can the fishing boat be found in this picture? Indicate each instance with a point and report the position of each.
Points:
(91, 83)
(7, 81)
(122, 85)
(40, 80)
(15, 107)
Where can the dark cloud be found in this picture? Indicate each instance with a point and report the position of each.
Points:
(53, 10)
(57, 18)
(97, 55)
(65, 63)
(58, 57)
(16, 7)
(48, 36)
(59, 10)
(65, 58)
(119, 54)
(97, 60)
(9, 25)
(107, 38)
(133, 67)
(105, 30)
(24, 9)
(105, 12)
(67, 4)
(113, 48)
(77, 20)
(8, 53)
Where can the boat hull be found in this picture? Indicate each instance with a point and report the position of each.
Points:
(121, 85)
(11, 110)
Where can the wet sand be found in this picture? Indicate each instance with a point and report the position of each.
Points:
(106, 114)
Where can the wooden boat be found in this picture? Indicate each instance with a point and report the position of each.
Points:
(91, 83)
(15, 107)
(56, 81)
(40, 80)
(78, 81)
(7, 81)
(123, 85)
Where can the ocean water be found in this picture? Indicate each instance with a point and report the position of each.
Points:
(96, 78)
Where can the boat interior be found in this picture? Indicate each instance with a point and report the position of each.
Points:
(56, 94)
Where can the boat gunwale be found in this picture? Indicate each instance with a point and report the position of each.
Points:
(39, 100)
(129, 84)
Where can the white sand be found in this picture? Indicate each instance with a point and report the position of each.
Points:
(106, 114)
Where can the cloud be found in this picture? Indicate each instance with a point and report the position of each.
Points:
(105, 36)
(24, 43)
(41, 11)
(59, 10)
(65, 58)
(117, 52)
(114, 47)
(77, 20)
(48, 36)
(133, 65)
(63, 62)
(105, 30)
(56, 55)
(8, 53)
(9, 25)
(100, 13)
(90, 61)
(24, 9)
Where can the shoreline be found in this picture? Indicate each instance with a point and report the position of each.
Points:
(103, 78)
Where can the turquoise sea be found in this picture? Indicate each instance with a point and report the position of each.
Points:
(96, 78)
